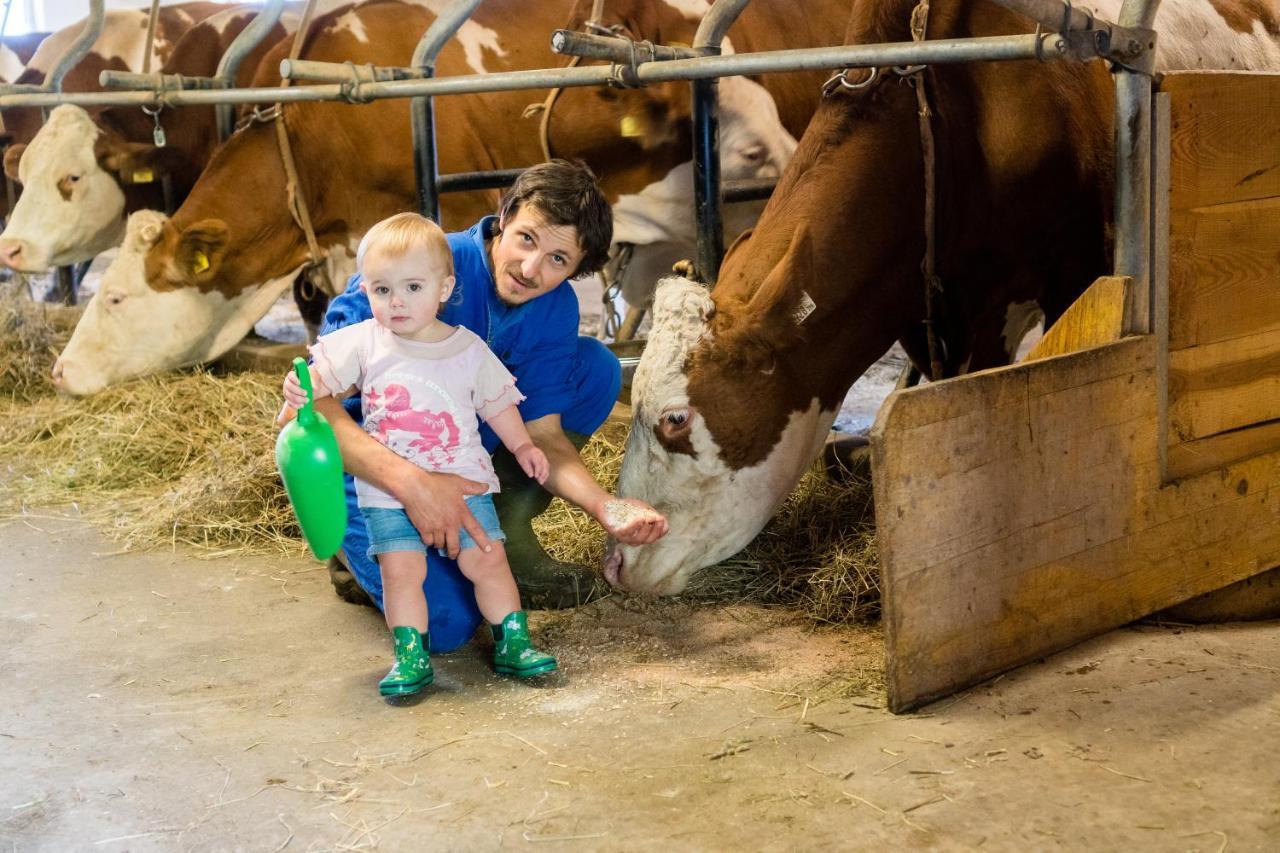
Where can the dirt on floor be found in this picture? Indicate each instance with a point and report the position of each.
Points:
(175, 701)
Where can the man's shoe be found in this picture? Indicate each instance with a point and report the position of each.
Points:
(543, 581)
(412, 670)
(513, 653)
(345, 584)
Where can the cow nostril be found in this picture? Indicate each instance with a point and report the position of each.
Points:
(57, 372)
(613, 567)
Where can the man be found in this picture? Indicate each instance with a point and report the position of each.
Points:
(513, 291)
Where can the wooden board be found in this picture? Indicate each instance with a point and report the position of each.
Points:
(1225, 137)
(1223, 345)
(1097, 317)
(1022, 510)
(1224, 272)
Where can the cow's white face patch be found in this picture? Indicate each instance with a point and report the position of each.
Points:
(130, 330)
(713, 510)
(70, 209)
(10, 65)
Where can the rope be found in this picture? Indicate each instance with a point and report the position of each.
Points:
(932, 284)
(151, 35)
(296, 201)
(544, 126)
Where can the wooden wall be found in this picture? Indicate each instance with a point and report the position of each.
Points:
(1024, 509)
(1224, 269)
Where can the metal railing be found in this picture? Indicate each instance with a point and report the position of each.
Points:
(1063, 32)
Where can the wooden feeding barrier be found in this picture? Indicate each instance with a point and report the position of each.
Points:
(1023, 509)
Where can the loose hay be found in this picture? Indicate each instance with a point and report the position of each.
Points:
(31, 335)
(189, 458)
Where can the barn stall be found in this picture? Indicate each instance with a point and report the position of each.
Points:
(677, 724)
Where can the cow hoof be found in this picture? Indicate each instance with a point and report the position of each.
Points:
(344, 584)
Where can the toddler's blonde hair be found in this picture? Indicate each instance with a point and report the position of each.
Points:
(396, 235)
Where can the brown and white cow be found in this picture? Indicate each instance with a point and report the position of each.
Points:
(81, 173)
(119, 47)
(16, 52)
(355, 167)
(739, 386)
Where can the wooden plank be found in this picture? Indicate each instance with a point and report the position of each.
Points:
(1095, 318)
(255, 353)
(1225, 137)
(1188, 458)
(1224, 270)
(1008, 532)
(1224, 386)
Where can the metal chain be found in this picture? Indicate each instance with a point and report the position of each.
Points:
(613, 289)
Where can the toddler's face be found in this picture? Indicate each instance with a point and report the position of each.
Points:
(405, 291)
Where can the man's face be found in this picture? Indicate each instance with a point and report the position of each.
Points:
(531, 258)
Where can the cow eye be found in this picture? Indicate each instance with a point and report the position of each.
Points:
(754, 154)
(115, 298)
(677, 418)
(73, 178)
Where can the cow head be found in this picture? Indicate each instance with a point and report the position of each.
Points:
(72, 205)
(728, 412)
(157, 307)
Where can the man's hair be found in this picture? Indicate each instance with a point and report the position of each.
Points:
(566, 194)
(396, 235)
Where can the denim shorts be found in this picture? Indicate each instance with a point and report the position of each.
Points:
(391, 530)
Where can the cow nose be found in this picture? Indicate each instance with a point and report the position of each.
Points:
(57, 373)
(9, 251)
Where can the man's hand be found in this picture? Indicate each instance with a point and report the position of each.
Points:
(631, 521)
(533, 461)
(436, 505)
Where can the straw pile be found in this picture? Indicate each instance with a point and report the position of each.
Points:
(188, 457)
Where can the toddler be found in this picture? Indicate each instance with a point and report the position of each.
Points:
(422, 385)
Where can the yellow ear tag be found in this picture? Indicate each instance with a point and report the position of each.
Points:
(142, 176)
(630, 126)
(199, 263)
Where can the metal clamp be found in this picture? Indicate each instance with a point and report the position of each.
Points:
(359, 75)
(840, 80)
(625, 75)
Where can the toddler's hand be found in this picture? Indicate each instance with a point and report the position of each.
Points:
(533, 461)
(293, 393)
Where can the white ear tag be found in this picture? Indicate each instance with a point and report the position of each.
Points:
(806, 307)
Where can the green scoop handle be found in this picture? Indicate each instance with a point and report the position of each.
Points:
(311, 467)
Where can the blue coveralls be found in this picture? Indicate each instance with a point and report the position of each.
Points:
(557, 371)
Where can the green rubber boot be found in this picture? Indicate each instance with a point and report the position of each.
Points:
(512, 652)
(544, 581)
(412, 670)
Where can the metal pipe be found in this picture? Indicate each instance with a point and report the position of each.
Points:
(340, 72)
(716, 23)
(248, 39)
(80, 48)
(460, 182)
(748, 189)
(613, 49)
(1133, 175)
(1054, 15)
(707, 202)
(939, 52)
(422, 111)
(132, 81)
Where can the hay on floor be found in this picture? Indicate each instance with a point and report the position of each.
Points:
(188, 457)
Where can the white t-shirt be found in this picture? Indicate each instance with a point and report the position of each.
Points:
(419, 399)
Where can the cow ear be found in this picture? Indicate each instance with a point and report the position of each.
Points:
(201, 248)
(12, 157)
(134, 162)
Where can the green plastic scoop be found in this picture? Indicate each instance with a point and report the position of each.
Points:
(311, 467)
